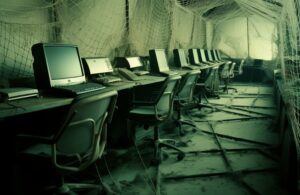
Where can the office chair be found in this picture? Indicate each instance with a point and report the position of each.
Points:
(155, 110)
(184, 98)
(227, 74)
(77, 143)
(239, 69)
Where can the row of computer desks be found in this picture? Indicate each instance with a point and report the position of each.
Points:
(63, 78)
(58, 66)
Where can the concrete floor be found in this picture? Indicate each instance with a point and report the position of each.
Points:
(233, 150)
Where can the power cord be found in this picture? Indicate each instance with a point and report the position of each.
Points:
(151, 185)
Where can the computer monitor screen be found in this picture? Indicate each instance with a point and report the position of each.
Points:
(208, 55)
(57, 65)
(195, 56)
(134, 62)
(98, 65)
(158, 58)
(182, 57)
(215, 55)
(202, 55)
(63, 62)
(219, 55)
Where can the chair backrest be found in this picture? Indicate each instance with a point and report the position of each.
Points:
(225, 71)
(240, 70)
(83, 133)
(164, 105)
(231, 70)
(184, 94)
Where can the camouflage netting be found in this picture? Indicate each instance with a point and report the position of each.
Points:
(256, 29)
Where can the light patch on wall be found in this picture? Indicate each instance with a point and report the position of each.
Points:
(237, 39)
(231, 37)
(262, 35)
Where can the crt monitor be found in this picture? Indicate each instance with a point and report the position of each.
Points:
(57, 65)
(208, 55)
(128, 62)
(202, 56)
(218, 54)
(180, 58)
(134, 62)
(158, 60)
(97, 65)
(193, 56)
(215, 55)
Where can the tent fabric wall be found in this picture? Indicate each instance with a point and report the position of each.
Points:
(150, 26)
(20, 27)
(98, 27)
(290, 62)
(241, 37)
(231, 37)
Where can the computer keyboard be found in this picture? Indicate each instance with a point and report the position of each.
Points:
(129, 75)
(79, 89)
(169, 73)
(107, 79)
(141, 72)
(189, 67)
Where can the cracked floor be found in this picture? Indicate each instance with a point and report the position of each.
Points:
(234, 150)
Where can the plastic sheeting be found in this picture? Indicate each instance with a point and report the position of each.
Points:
(247, 37)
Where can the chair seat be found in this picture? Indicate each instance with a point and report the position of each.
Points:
(45, 151)
(145, 114)
(39, 150)
(143, 110)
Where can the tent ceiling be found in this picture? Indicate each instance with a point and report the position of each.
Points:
(214, 9)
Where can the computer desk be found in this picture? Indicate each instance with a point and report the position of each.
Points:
(34, 104)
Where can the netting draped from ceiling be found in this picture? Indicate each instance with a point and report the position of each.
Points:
(290, 61)
(263, 29)
(105, 28)
(98, 27)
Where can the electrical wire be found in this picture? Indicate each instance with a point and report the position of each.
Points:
(151, 185)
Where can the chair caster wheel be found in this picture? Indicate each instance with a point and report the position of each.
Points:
(155, 162)
(180, 156)
(182, 133)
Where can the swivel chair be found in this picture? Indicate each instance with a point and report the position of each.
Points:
(155, 110)
(229, 71)
(76, 144)
(184, 98)
(227, 74)
(239, 69)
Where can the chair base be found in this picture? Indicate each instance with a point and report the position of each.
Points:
(226, 89)
(159, 143)
(73, 188)
(180, 123)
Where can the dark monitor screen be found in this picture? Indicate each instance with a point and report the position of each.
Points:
(182, 58)
(158, 58)
(218, 54)
(202, 55)
(57, 65)
(134, 62)
(98, 65)
(63, 62)
(195, 56)
(215, 55)
(208, 55)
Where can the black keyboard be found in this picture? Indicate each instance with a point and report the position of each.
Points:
(107, 79)
(190, 67)
(169, 73)
(79, 89)
(141, 72)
